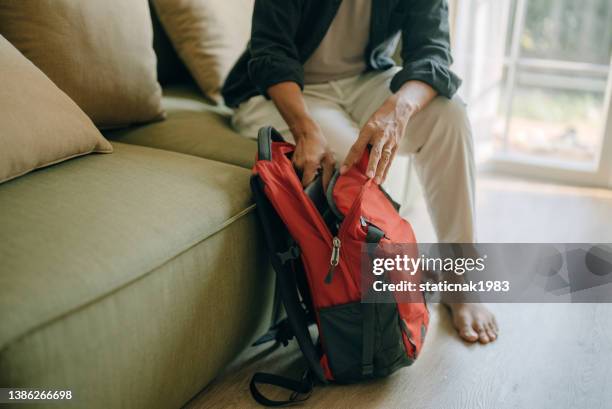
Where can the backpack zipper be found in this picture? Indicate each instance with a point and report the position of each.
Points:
(334, 260)
(336, 243)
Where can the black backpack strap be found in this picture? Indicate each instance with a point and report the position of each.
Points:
(302, 387)
(279, 332)
(276, 234)
(368, 312)
(329, 194)
(265, 137)
(368, 315)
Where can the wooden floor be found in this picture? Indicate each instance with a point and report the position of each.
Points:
(547, 355)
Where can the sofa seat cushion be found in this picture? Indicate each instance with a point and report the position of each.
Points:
(192, 126)
(73, 233)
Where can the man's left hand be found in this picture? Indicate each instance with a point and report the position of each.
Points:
(386, 127)
(383, 131)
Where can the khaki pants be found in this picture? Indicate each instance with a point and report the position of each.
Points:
(439, 138)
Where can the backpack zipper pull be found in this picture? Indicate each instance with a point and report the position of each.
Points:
(334, 260)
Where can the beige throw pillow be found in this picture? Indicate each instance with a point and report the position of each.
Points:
(100, 52)
(209, 36)
(39, 124)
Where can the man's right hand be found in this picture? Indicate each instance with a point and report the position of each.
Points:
(311, 152)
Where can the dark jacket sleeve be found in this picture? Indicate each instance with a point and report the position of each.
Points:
(426, 48)
(274, 57)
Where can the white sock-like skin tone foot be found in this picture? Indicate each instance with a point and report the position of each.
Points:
(474, 322)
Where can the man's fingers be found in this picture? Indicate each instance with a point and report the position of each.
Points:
(309, 172)
(353, 156)
(328, 165)
(356, 150)
(388, 165)
(383, 163)
(375, 155)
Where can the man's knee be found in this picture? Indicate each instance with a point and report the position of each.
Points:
(451, 111)
(450, 119)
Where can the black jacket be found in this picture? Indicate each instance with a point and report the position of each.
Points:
(286, 32)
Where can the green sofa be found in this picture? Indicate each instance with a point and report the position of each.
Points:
(133, 278)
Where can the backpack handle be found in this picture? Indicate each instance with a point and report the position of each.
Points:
(303, 386)
(265, 137)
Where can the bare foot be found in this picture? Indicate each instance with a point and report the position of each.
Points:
(474, 322)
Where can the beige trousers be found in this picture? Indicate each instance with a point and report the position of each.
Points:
(439, 138)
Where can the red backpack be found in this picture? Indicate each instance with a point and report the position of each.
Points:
(316, 241)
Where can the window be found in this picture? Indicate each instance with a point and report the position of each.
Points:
(537, 79)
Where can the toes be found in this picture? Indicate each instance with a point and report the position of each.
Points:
(494, 323)
(492, 328)
(475, 324)
(463, 323)
(482, 334)
(491, 334)
(468, 334)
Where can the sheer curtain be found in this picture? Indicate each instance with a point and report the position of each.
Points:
(479, 37)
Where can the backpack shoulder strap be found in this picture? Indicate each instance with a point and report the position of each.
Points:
(276, 234)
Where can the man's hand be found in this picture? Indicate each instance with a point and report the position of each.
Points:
(311, 152)
(386, 127)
